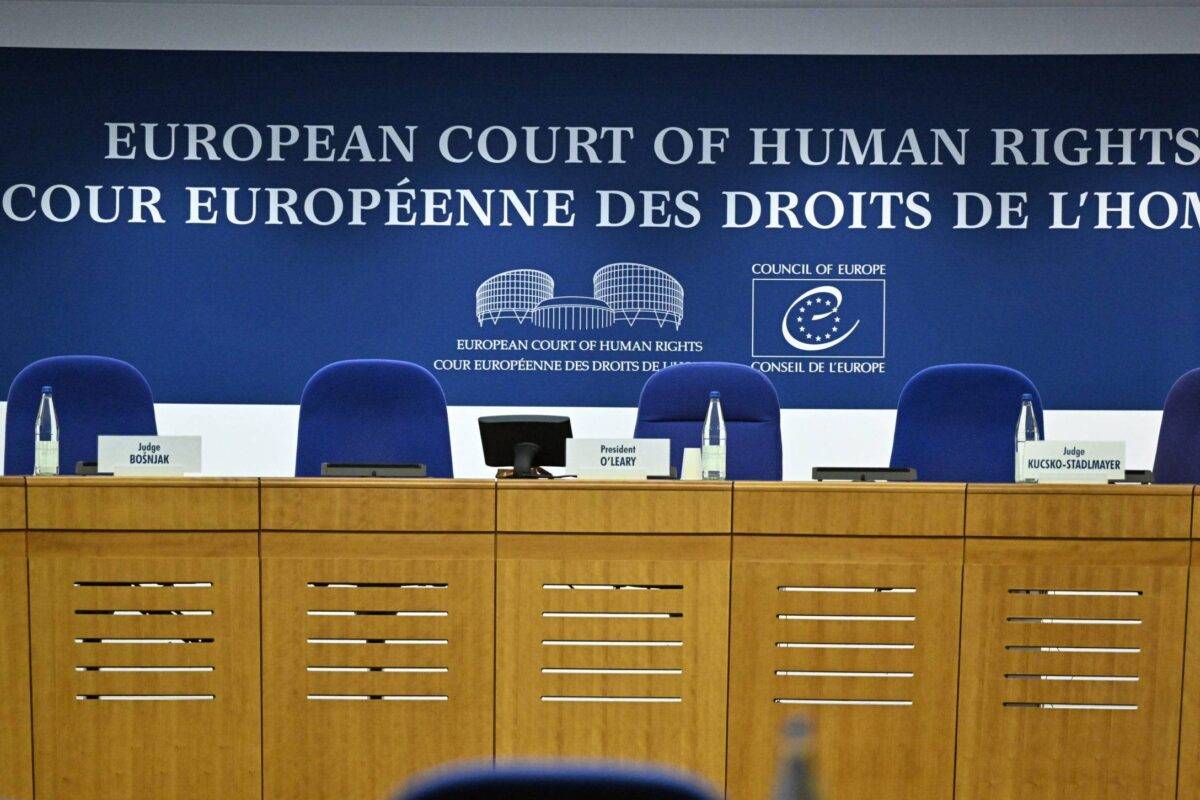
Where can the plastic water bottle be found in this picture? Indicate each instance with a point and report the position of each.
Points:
(1027, 431)
(796, 777)
(45, 436)
(712, 446)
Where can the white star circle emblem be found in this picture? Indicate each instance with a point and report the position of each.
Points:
(814, 306)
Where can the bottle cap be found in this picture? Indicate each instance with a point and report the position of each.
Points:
(1025, 397)
(47, 390)
(714, 395)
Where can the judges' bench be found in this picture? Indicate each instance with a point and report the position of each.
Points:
(322, 638)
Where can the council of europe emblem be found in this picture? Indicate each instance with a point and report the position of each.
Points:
(813, 322)
(807, 318)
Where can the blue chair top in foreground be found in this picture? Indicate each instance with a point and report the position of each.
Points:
(556, 781)
(674, 402)
(1177, 459)
(373, 411)
(93, 396)
(957, 422)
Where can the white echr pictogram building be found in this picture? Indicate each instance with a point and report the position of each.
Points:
(573, 314)
(624, 291)
(640, 292)
(512, 295)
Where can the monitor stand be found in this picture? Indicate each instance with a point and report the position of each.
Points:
(523, 457)
(509, 472)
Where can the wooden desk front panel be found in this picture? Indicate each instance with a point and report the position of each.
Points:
(846, 509)
(378, 659)
(143, 504)
(146, 665)
(613, 647)
(860, 635)
(16, 729)
(1079, 511)
(380, 505)
(1072, 657)
(1189, 749)
(613, 507)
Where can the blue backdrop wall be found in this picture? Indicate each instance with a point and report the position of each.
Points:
(369, 234)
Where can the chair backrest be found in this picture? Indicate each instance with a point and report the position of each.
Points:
(93, 396)
(556, 781)
(373, 411)
(957, 422)
(675, 400)
(1177, 459)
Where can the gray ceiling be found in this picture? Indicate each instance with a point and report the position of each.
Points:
(696, 3)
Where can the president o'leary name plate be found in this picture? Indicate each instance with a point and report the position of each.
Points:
(619, 458)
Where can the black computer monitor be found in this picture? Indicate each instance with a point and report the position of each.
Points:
(525, 442)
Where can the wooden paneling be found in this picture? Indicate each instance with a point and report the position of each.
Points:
(12, 504)
(613, 507)
(1195, 513)
(145, 655)
(598, 622)
(340, 504)
(1071, 669)
(378, 659)
(917, 509)
(138, 504)
(613, 647)
(16, 730)
(1126, 512)
(1189, 749)
(861, 636)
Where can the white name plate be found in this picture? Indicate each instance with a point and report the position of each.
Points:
(619, 458)
(148, 455)
(1071, 462)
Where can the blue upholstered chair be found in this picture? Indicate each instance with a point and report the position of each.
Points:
(957, 422)
(556, 781)
(675, 400)
(93, 396)
(1177, 459)
(373, 411)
